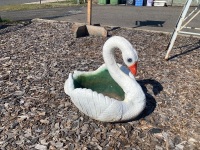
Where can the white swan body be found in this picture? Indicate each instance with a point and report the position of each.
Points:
(99, 106)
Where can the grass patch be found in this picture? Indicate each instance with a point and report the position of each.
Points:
(5, 20)
(38, 6)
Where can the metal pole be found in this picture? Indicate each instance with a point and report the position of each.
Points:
(89, 12)
(189, 33)
(190, 19)
(191, 13)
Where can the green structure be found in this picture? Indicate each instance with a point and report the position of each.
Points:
(114, 2)
(103, 2)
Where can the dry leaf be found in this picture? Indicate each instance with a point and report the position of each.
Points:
(45, 121)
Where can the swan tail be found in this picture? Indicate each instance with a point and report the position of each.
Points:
(69, 85)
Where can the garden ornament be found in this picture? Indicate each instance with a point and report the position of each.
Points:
(111, 93)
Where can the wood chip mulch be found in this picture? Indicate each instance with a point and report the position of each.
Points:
(35, 113)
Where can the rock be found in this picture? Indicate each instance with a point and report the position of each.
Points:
(40, 147)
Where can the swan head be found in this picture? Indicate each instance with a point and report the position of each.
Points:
(129, 54)
(130, 58)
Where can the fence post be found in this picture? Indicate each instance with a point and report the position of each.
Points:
(89, 12)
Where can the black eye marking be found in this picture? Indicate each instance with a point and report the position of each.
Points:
(129, 60)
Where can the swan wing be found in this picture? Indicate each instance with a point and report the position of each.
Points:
(94, 104)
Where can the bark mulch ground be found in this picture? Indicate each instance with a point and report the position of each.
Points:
(35, 113)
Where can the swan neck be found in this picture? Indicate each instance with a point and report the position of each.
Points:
(120, 77)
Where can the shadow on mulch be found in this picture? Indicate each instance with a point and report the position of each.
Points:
(150, 100)
(8, 27)
(3, 26)
(188, 50)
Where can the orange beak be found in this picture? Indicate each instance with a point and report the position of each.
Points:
(133, 68)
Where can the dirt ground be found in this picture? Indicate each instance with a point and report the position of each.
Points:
(35, 113)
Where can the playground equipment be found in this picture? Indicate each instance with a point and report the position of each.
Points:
(182, 23)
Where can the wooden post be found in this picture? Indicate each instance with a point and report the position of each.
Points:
(89, 12)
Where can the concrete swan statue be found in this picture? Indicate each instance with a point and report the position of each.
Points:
(111, 93)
